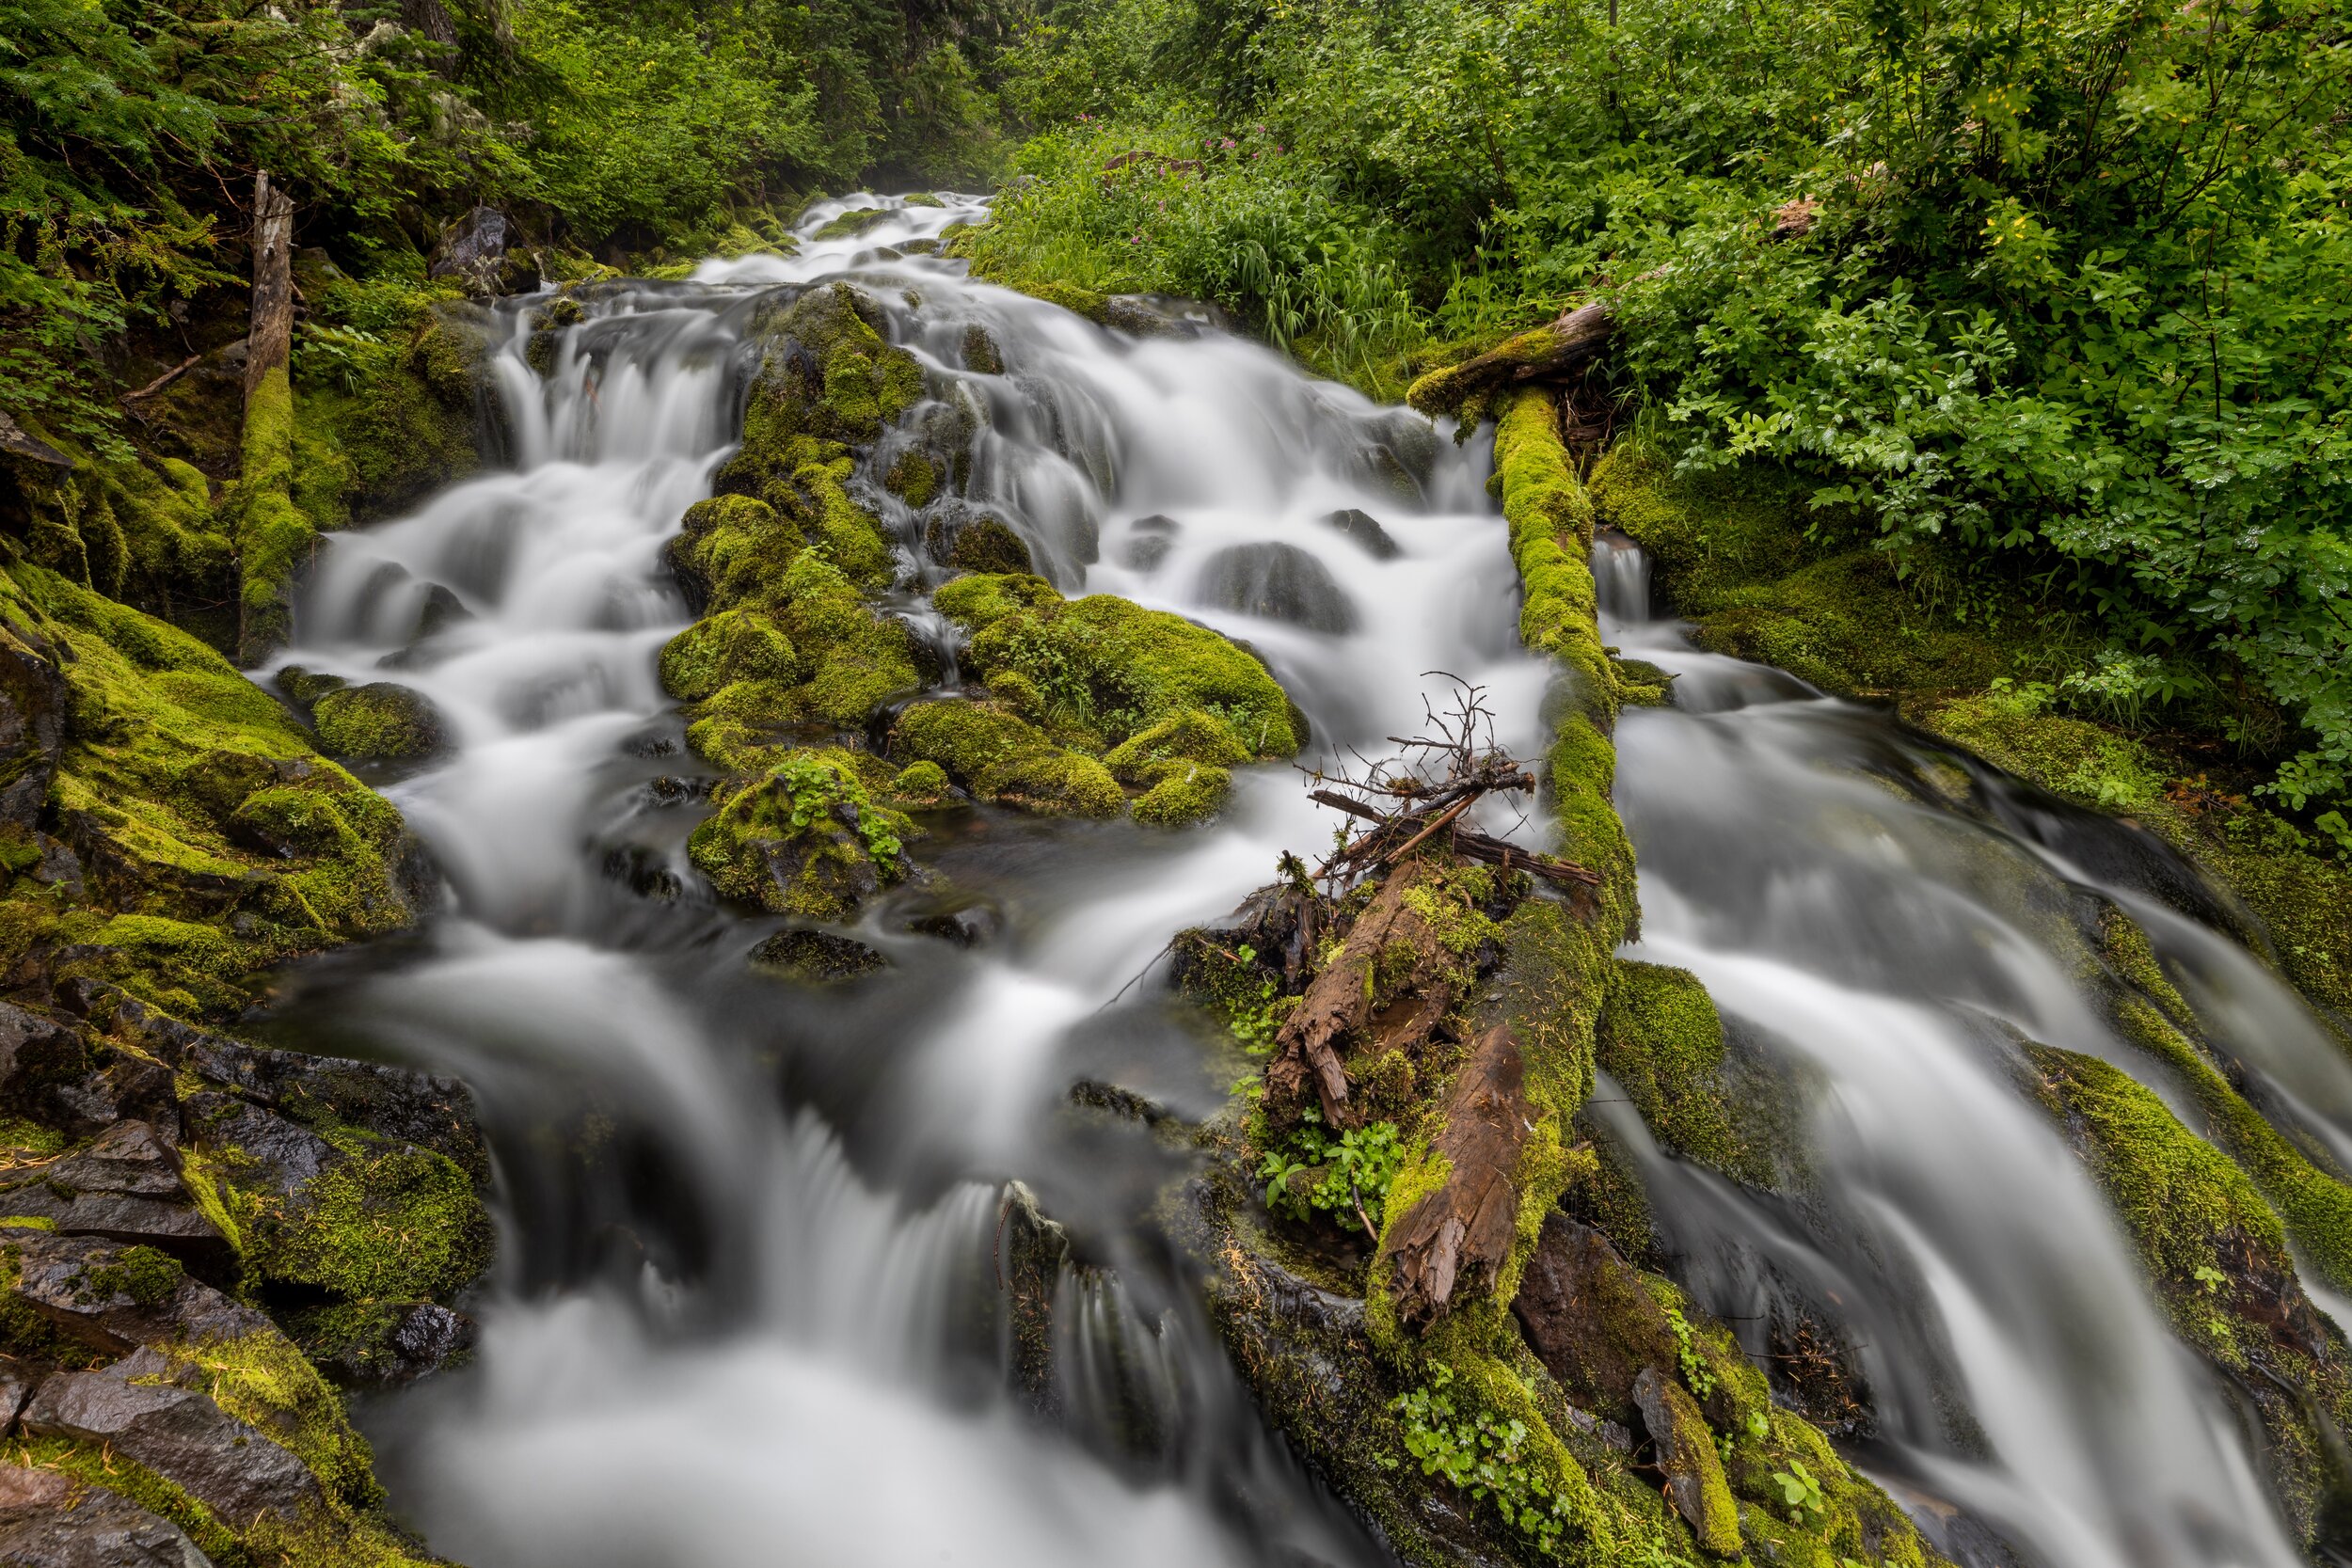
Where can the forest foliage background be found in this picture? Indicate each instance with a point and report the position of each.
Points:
(2069, 324)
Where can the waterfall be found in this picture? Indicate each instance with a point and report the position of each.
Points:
(753, 1299)
(750, 1302)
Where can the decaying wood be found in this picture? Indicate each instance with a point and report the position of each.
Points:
(1460, 1235)
(1547, 352)
(1336, 1016)
(270, 343)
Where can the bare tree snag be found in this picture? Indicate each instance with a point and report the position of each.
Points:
(1549, 352)
(1461, 1234)
(269, 343)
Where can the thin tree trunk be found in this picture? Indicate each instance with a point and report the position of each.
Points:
(270, 341)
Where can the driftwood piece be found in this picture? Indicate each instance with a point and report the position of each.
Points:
(1549, 351)
(1338, 1011)
(270, 343)
(1461, 1234)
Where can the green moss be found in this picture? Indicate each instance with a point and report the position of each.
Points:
(1002, 757)
(146, 1275)
(1108, 669)
(912, 478)
(1737, 553)
(805, 839)
(1659, 1037)
(273, 538)
(2185, 1205)
(734, 550)
(380, 722)
(922, 783)
(263, 1380)
(733, 645)
(865, 382)
(845, 532)
(390, 1221)
(1184, 793)
(852, 223)
(1189, 736)
(988, 545)
(976, 603)
(99, 1465)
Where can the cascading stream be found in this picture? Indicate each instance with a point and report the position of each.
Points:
(1880, 950)
(746, 1314)
(749, 1304)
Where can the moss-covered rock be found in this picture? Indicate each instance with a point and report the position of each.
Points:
(988, 545)
(380, 722)
(733, 645)
(1183, 794)
(806, 838)
(1003, 758)
(856, 221)
(1108, 669)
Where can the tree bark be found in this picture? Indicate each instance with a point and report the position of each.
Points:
(1549, 351)
(269, 343)
(1461, 1234)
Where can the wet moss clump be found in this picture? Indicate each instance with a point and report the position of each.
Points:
(381, 722)
(806, 838)
(198, 836)
(1107, 669)
(1001, 757)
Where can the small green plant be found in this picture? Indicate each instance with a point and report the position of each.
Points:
(1355, 1171)
(1802, 1492)
(1256, 1019)
(1695, 1371)
(2211, 1277)
(1483, 1456)
(814, 789)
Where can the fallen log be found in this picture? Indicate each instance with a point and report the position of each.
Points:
(1549, 352)
(1460, 1235)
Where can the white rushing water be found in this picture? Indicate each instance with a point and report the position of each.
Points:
(747, 1309)
(1870, 939)
(782, 1382)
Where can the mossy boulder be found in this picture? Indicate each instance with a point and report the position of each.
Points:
(733, 549)
(826, 373)
(733, 645)
(987, 544)
(166, 792)
(805, 838)
(1001, 757)
(850, 225)
(1108, 669)
(1183, 794)
(380, 722)
(1188, 736)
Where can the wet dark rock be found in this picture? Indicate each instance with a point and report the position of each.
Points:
(36, 1053)
(1151, 540)
(442, 609)
(17, 1383)
(1589, 1320)
(483, 251)
(394, 1102)
(51, 1520)
(125, 1187)
(17, 442)
(138, 1409)
(818, 956)
(1365, 530)
(1686, 1452)
(980, 352)
(32, 721)
(967, 926)
(1281, 582)
(1031, 1253)
(115, 1298)
(384, 1344)
(1164, 316)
